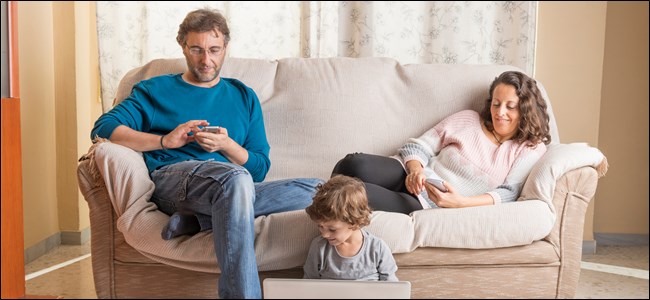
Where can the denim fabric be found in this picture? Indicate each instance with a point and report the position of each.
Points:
(223, 195)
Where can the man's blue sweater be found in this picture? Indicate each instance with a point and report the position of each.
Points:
(160, 104)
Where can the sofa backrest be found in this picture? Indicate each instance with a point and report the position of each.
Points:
(317, 110)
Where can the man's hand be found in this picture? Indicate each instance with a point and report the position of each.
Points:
(220, 141)
(143, 141)
(179, 136)
(213, 141)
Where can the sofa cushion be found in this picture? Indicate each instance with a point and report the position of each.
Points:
(559, 159)
(538, 253)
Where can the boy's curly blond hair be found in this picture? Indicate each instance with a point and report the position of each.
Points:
(342, 198)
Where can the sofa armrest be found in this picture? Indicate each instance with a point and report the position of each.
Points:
(555, 163)
(566, 178)
(102, 218)
(573, 192)
(127, 189)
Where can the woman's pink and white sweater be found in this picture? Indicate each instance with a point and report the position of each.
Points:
(458, 151)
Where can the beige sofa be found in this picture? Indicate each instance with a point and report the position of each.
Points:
(316, 111)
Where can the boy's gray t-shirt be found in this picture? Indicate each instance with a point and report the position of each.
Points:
(373, 262)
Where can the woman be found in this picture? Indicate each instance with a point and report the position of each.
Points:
(483, 158)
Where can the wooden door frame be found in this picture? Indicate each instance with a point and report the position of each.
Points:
(13, 239)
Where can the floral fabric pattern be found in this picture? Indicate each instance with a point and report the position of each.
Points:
(457, 32)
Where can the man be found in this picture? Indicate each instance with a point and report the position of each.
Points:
(206, 179)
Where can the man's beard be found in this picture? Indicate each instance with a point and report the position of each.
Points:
(205, 78)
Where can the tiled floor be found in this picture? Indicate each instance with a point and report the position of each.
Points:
(603, 285)
(76, 281)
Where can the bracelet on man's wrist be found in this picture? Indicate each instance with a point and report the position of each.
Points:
(162, 146)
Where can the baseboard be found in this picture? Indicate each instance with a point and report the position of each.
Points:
(53, 241)
(589, 247)
(42, 247)
(75, 237)
(621, 239)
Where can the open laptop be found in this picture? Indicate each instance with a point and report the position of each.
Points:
(284, 288)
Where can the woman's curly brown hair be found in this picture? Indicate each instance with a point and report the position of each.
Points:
(534, 123)
(342, 198)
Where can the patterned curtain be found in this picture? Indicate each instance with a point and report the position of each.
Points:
(133, 33)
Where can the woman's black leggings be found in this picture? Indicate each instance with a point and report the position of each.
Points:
(384, 179)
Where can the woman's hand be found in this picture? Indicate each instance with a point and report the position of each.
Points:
(414, 181)
(449, 199)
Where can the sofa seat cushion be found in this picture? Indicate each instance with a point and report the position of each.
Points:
(537, 253)
(124, 253)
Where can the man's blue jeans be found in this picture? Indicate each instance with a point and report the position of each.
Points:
(225, 199)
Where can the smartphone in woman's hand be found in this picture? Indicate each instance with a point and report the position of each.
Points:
(438, 183)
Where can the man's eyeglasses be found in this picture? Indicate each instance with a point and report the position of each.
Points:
(198, 51)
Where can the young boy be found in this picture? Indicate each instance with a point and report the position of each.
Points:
(343, 250)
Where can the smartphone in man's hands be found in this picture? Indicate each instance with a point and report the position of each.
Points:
(213, 129)
(438, 183)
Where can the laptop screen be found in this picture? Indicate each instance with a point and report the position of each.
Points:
(284, 288)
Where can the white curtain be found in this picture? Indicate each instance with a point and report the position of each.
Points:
(133, 33)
